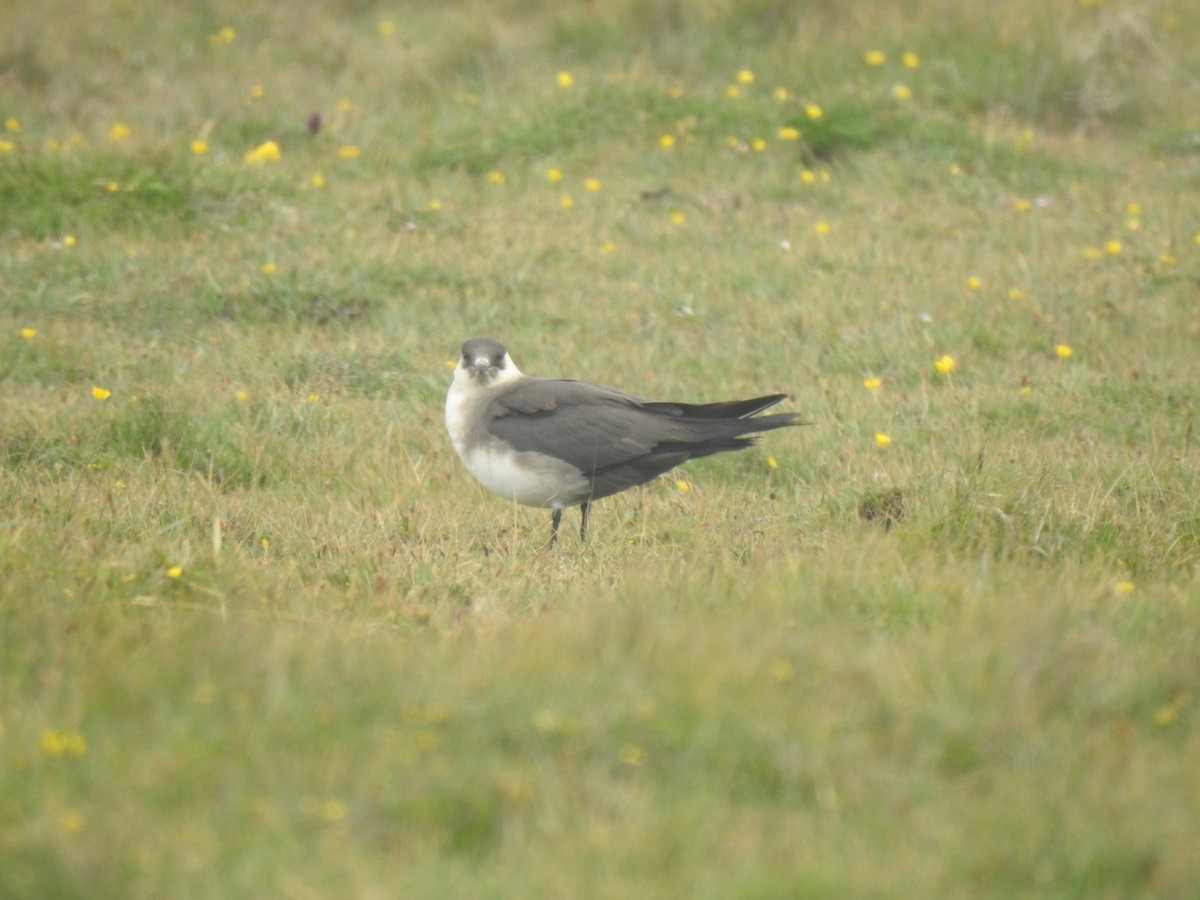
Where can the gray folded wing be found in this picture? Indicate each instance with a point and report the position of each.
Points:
(614, 438)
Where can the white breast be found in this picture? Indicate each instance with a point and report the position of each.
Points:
(530, 479)
(458, 404)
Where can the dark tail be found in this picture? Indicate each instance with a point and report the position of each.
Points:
(702, 436)
(778, 420)
(727, 409)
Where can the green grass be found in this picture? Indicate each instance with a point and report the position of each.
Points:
(264, 636)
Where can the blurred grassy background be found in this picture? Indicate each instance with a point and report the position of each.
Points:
(263, 635)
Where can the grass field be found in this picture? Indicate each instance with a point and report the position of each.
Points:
(261, 635)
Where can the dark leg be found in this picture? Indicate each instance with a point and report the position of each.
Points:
(555, 519)
(583, 510)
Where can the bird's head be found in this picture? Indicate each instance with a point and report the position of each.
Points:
(485, 361)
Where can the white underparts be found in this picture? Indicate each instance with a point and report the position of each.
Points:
(531, 479)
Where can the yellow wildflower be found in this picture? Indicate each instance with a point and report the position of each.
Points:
(882, 439)
(199, 147)
(1112, 247)
(29, 333)
(813, 111)
(872, 384)
(546, 721)
(63, 743)
(12, 124)
(71, 821)
(52, 744)
(944, 364)
(101, 393)
(745, 77)
(1166, 715)
(633, 755)
(119, 132)
(902, 92)
(592, 184)
(667, 141)
(174, 571)
(495, 176)
(910, 60)
(554, 175)
(1062, 351)
(348, 151)
(332, 810)
(564, 79)
(875, 57)
(265, 152)
(788, 133)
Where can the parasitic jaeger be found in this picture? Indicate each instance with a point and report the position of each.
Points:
(555, 443)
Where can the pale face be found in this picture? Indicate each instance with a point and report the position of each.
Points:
(484, 363)
(483, 367)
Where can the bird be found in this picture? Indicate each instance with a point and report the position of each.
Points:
(557, 442)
